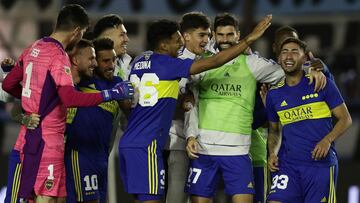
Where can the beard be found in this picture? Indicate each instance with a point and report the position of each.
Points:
(224, 45)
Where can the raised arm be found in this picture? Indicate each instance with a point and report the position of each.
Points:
(224, 56)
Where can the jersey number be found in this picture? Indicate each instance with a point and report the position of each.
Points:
(51, 172)
(91, 183)
(197, 173)
(26, 92)
(280, 181)
(148, 94)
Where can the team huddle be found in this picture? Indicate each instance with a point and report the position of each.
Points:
(193, 109)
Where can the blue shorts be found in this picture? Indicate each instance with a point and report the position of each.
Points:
(86, 177)
(299, 183)
(260, 178)
(13, 183)
(142, 171)
(206, 171)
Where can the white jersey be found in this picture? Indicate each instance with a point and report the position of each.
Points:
(177, 139)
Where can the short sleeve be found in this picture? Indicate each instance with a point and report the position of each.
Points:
(60, 70)
(332, 95)
(179, 68)
(271, 112)
(264, 70)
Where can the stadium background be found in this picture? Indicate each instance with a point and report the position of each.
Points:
(330, 27)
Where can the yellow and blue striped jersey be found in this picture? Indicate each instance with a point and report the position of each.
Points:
(306, 118)
(89, 129)
(156, 80)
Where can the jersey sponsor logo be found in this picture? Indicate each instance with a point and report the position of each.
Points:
(35, 52)
(142, 65)
(226, 89)
(314, 110)
(49, 184)
(283, 103)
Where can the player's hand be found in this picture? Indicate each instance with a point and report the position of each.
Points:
(273, 162)
(31, 121)
(121, 91)
(321, 149)
(188, 102)
(316, 63)
(192, 147)
(259, 30)
(264, 89)
(319, 77)
(7, 64)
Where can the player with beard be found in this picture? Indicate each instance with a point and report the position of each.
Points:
(155, 74)
(305, 168)
(88, 137)
(47, 89)
(226, 98)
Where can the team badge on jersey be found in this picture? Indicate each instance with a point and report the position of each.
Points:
(49, 184)
(67, 70)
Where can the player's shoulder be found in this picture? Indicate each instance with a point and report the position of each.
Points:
(278, 85)
(256, 56)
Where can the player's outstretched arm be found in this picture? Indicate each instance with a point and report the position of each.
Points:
(121, 91)
(343, 123)
(72, 98)
(224, 56)
(273, 144)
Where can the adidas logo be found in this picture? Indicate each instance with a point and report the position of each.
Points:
(323, 199)
(283, 103)
(226, 74)
(250, 185)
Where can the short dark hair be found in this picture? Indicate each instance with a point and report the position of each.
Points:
(285, 28)
(103, 44)
(301, 43)
(107, 22)
(83, 43)
(226, 19)
(72, 16)
(194, 20)
(280, 35)
(160, 30)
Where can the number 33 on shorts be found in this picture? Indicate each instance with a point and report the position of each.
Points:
(279, 182)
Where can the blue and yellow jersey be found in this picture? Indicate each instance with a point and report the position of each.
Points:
(156, 80)
(306, 118)
(89, 128)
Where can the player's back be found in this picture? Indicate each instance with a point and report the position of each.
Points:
(156, 77)
(45, 68)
